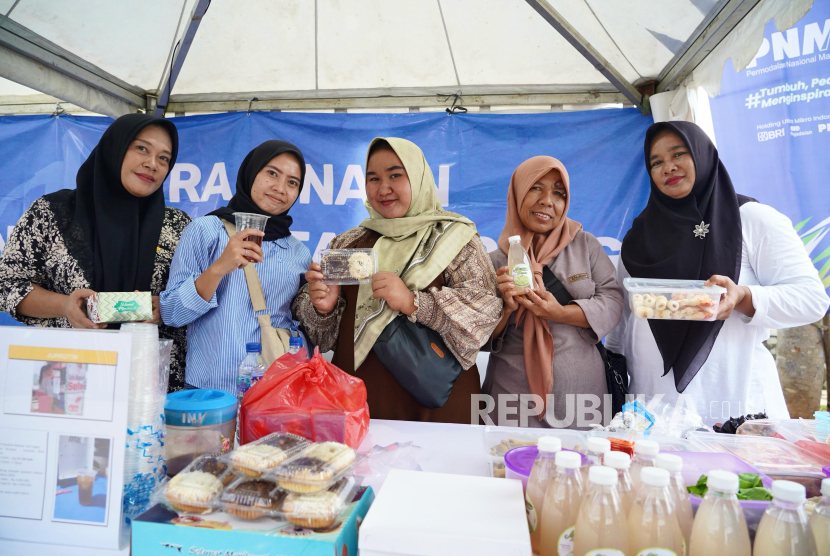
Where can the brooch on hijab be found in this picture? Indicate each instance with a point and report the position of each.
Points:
(701, 230)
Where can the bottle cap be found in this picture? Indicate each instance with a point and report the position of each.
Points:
(295, 341)
(513, 239)
(654, 476)
(646, 447)
(788, 491)
(549, 444)
(825, 487)
(722, 481)
(568, 460)
(669, 462)
(600, 475)
(253, 347)
(617, 460)
(600, 445)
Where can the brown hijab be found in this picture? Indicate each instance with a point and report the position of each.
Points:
(542, 248)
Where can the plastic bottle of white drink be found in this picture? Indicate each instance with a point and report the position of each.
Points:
(622, 463)
(644, 453)
(540, 475)
(518, 262)
(601, 527)
(596, 447)
(784, 529)
(720, 526)
(561, 506)
(820, 520)
(652, 524)
(680, 496)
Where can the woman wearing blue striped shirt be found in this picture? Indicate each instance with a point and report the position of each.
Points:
(208, 292)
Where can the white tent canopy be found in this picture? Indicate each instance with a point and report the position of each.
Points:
(113, 57)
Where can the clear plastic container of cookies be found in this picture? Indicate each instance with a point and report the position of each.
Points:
(343, 267)
(499, 440)
(250, 498)
(196, 487)
(320, 510)
(262, 456)
(316, 468)
(653, 298)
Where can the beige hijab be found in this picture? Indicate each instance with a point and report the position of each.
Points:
(417, 247)
(538, 342)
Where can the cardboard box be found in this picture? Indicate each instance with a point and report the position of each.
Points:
(119, 307)
(162, 532)
(434, 514)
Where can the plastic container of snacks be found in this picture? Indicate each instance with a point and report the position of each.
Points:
(264, 455)
(250, 498)
(809, 434)
(774, 457)
(652, 298)
(198, 422)
(667, 443)
(319, 510)
(315, 468)
(519, 461)
(348, 266)
(499, 440)
(696, 464)
(195, 488)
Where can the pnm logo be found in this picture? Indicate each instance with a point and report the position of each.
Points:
(767, 135)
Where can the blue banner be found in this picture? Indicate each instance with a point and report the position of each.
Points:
(772, 123)
(471, 155)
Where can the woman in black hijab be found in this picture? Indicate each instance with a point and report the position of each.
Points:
(112, 233)
(696, 227)
(207, 290)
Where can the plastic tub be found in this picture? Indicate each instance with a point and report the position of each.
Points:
(198, 422)
(696, 464)
(499, 440)
(667, 443)
(519, 461)
(774, 457)
(809, 434)
(655, 298)
(348, 266)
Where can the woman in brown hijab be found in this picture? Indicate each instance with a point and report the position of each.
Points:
(541, 347)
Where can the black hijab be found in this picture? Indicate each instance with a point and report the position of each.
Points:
(661, 244)
(105, 227)
(278, 226)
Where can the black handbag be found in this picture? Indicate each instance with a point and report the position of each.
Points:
(417, 357)
(616, 369)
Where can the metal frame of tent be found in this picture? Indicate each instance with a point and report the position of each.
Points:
(34, 53)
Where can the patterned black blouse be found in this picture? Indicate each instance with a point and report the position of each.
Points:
(37, 253)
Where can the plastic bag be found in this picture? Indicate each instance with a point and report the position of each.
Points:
(311, 398)
(381, 459)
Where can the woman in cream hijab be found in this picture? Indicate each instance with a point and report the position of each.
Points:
(541, 347)
(433, 269)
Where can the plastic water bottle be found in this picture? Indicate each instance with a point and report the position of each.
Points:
(519, 263)
(295, 344)
(784, 530)
(250, 370)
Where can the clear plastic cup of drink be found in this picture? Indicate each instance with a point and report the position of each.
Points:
(86, 480)
(249, 220)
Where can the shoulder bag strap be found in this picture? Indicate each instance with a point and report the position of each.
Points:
(274, 340)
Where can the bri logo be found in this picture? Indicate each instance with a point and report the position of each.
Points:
(790, 45)
(767, 135)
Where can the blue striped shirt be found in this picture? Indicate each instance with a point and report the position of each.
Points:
(217, 330)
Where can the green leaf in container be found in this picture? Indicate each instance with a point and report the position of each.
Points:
(700, 488)
(755, 493)
(749, 480)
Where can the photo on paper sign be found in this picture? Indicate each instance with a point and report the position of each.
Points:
(82, 487)
(58, 388)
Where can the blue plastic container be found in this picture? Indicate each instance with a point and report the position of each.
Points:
(198, 422)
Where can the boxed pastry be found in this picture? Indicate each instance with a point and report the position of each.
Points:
(162, 532)
(673, 299)
(261, 456)
(119, 307)
(348, 266)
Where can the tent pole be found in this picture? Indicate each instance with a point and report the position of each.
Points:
(180, 54)
(706, 37)
(570, 34)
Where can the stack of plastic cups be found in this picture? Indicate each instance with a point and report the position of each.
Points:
(144, 465)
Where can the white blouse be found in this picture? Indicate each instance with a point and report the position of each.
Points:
(740, 375)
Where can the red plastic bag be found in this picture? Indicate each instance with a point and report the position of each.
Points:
(308, 397)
